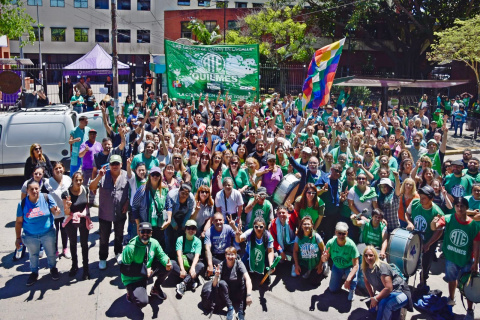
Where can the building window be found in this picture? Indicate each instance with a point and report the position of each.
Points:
(101, 35)
(57, 3)
(124, 5)
(183, 2)
(240, 4)
(143, 5)
(204, 3)
(81, 34)
(257, 5)
(35, 31)
(101, 4)
(58, 34)
(185, 32)
(143, 36)
(222, 4)
(210, 25)
(34, 2)
(233, 25)
(80, 3)
(123, 36)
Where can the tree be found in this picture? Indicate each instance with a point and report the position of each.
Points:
(15, 21)
(203, 35)
(460, 43)
(281, 36)
(403, 29)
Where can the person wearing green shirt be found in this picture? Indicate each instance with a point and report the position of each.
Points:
(309, 204)
(474, 202)
(457, 184)
(146, 157)
(419, 215)
(327, 114)
(259, 206)
(438, 117)
(188, 265)
(143, 249)
(201, 174)
(239, 176)
(461, 242)
(472, 169)
(435, 153)
(307, 251)
(77, 102)
(310, 134)
(345, 257)
(127, 106)
(373, 231)
(299, 104)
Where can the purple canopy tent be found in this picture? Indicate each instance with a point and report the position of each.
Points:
(95, 62)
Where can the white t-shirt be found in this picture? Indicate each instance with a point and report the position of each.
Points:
(233, 202)
(367, 204)
(56, 189)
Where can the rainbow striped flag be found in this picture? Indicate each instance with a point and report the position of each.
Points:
(321, 72)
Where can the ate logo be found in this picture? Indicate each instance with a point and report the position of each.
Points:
(214, 63)
(420, 223)
(458, 191)
(458, 238)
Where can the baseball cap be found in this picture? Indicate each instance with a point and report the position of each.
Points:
(457, 163)
(155, 169)
(438, 110)
(432, 141)
(187, 187)
(191, 223)
(137, 123)
(115, 158)
(307, 150)
(145, 226)
(92, 130)
(262, 190)
(271, 156)
(427, 190)
(386, 181)
(329, 107)
(140, 116)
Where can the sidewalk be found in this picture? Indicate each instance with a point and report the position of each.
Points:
(456, 145)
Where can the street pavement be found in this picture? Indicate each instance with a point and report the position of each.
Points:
(103, 296)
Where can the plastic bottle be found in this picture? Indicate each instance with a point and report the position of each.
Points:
(19, 251)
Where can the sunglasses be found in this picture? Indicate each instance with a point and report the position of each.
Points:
(311, 193)
(177, 158)
(204, 192)
(38, 148)
(145, 231)
(259, 227)
(337, 171)
(341, 233)
(361, 179)
(115, 164)
(235, 163)
(155, 174)
(191, 228)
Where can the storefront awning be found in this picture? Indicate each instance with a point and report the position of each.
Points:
(355, 81)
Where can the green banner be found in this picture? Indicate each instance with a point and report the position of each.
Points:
(192, 70)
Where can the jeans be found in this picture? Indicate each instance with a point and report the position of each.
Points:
(458, 124)
(337, 276)
(63, 233)
(199, 267)
(75, 168)
(386, 306)
(72, 235)
(33, 242)
(105, 229)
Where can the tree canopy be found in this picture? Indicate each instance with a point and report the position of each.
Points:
(15, 21)
(460, 43)
(203, 35)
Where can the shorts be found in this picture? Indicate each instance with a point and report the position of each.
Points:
(454, 272)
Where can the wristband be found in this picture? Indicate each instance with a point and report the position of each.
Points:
(375, 298)
(19, 238)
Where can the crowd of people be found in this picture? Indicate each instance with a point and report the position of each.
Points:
(231, 191)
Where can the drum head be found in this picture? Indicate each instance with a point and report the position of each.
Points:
(472, 289)
(412, 254)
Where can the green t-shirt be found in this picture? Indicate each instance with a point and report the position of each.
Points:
(149, 162)
(309, 251)
(475, 177)
(436, 163)
(200, 178)
(241, 179)
(342, 256)
(472, 203)
(279, 122)
(458, 240)
(304, 137)
(311, 212)
(127, 108)
(260, 210)
(299, 104)
(422, 218)
(459, 186)
(371, 235)
(191, 246)
(325, 116)
(155, 210)
(448, 105)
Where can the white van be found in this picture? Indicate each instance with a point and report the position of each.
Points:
(49, 126)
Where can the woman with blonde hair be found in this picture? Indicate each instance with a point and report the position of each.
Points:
(37, 159)
(180, 170)
(408, 192)
(251, 170)
(393, 291)
(203, 211)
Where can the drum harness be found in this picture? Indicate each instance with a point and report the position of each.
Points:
(469, 283)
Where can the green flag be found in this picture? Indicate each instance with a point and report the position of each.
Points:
(192, 70)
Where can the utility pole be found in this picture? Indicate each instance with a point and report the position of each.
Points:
(40, 74)
(115, 57)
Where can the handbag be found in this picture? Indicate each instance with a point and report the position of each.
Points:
(136, 269)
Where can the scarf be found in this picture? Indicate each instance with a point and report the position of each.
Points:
(385, 198)
(369, 193)
(280, 230)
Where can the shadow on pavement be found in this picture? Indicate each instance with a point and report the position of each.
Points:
(120, 308)
(11, 224)
(328, 299)
(360, 313)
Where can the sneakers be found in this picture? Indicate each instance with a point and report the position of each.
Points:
(326, 270)
(55, 274)
(158, 293)
(451, 302)
(181, 288)
(293, 273)
(73, 271)
(102, 264)
(469, 315)
(351, 295)
(240, 315)
(67, 254)
(32, 279)
(194, 285)
(118, 258)
(41, 253)
(230, 314)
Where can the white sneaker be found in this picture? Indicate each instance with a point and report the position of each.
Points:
(451, 302)
(102, 264)
(351, 295)
(118, 258)
(293, 273)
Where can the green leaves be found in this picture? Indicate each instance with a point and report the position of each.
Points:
(15, 21)
(203, 34)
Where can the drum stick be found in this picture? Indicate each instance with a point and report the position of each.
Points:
(469, 280)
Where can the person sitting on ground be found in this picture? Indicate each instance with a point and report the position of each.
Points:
(143, 258)
(282, 230)
(373, 231)
(259, 206)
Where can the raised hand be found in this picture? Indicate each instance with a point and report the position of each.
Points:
(325, 255)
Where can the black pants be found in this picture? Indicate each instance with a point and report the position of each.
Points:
(228, 296)
(138, 290)
(63, 233)
(217, 259)
(171, 236)
(105, 229)
(328, 226)
(199, 267)
(159, 235)
(72, 235)
(427, 259)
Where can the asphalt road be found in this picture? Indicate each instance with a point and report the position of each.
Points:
(103, 296)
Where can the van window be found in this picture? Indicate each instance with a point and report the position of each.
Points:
(26, 134)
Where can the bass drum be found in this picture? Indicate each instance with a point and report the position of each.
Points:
(469, 286)
(404, 249)
(286, 189)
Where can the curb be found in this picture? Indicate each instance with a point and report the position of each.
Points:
(460, 151)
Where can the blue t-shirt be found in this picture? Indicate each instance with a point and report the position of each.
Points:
(37, 218)
(219, 240)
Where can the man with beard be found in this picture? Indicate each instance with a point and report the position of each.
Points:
(457, 184)
(260, 154)
(217, 239)
(251, 141)
(144, 249)
(472, 169)
(467, 155)
(230, 144)
(146, 157)
(102, 159)
(415, 149)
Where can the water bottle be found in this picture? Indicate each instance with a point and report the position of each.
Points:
(18, 252)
